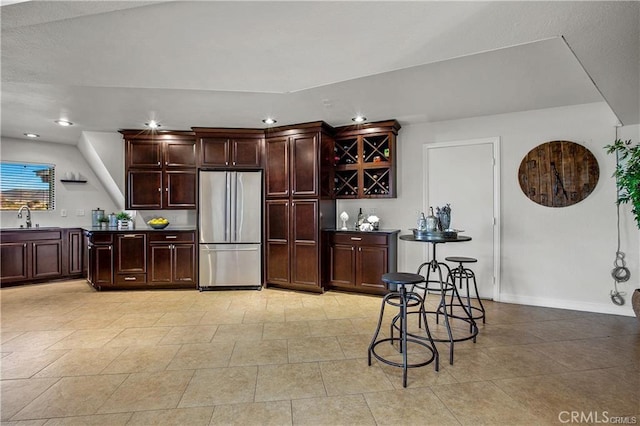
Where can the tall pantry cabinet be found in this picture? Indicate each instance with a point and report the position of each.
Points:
(299, 203)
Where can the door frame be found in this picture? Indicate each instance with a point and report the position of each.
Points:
(495, 144)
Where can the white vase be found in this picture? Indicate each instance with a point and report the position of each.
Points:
(125, 224)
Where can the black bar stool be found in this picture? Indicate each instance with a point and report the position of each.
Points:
(464, 275)
(441, 286)
(399, 297)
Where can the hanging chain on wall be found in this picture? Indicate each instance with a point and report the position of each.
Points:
(620, 272)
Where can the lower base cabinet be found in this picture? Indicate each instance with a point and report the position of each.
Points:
(37, 255)
(141, 259)
(357, 260)
(172, 258)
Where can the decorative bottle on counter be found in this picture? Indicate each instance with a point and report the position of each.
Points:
(432, 221)
(360, 219)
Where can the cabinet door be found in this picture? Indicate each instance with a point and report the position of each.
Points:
(179, 154)
(144, 154)
(184, 263)
(277, 245)
(246, 152)
(304, 246)
(144, 189)
(371, 264)
(277, 167)
(46, 259)
(180, 189)
(160, 262)
(131, 253)
(343, 266)
(214, 152)
(14, 264)
(75, 243)
(102, 265)
(304, 165)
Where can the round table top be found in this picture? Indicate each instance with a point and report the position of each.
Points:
(435, 238)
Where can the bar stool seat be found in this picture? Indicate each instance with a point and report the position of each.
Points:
(402, 299)
(462, 274)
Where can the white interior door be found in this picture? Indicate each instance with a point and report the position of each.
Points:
(465, 175)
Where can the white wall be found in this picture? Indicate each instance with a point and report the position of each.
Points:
(557, 257)
(69, 196)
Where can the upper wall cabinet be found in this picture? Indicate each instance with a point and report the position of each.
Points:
(160, 170)
(365, 160)
(229, 148)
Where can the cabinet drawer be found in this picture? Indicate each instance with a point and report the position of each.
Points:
(30, 235)
(359, 238)
(163, 237)
(131, 278)
(100, 238)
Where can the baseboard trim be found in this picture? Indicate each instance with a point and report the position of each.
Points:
(601, 308)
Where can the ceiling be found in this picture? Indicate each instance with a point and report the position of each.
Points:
(107, 65)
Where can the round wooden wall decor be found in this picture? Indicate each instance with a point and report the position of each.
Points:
(558, 173)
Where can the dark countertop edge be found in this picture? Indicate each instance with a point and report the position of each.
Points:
(145, 229)
(353, 231)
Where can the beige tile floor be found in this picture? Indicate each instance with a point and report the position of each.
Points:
(73, 356)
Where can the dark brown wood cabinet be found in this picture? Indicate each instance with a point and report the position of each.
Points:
(172, 257)
(75, 252)
(365, 160)
(100, 253)
(160, 170)
(32, 256)
(229, 148)
(130, 259)
(298, 163)
(141, 259)
(357, 260)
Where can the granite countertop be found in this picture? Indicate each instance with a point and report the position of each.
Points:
(170, 228)
(351, 230)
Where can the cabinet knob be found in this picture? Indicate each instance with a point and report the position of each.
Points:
(166, 189)
(169, 237)
(356, 238)
(159, 189)
(129, 278)
(158, 163)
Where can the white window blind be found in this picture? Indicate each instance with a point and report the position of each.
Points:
(27, 184)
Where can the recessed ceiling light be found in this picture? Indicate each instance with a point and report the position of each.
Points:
(359, 119)
(64, 123)
(32, 135)
(269, 121)
(153, 124)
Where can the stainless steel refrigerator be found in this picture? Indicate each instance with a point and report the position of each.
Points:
(230, 229)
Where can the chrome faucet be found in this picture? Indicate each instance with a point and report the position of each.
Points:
(28, 214)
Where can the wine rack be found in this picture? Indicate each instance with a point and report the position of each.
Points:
(346, 151)
(346, 183)
(365, 160)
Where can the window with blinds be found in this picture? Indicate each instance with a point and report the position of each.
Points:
(27, 184)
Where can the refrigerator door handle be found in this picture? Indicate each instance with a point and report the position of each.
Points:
(227, 208)
(239, 203)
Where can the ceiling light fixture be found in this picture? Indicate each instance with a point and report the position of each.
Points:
(269, 121)
(32, 135)
(359, 119)
(64, 123)
(153, 124)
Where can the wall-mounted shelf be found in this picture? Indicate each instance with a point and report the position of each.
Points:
(73, 180)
